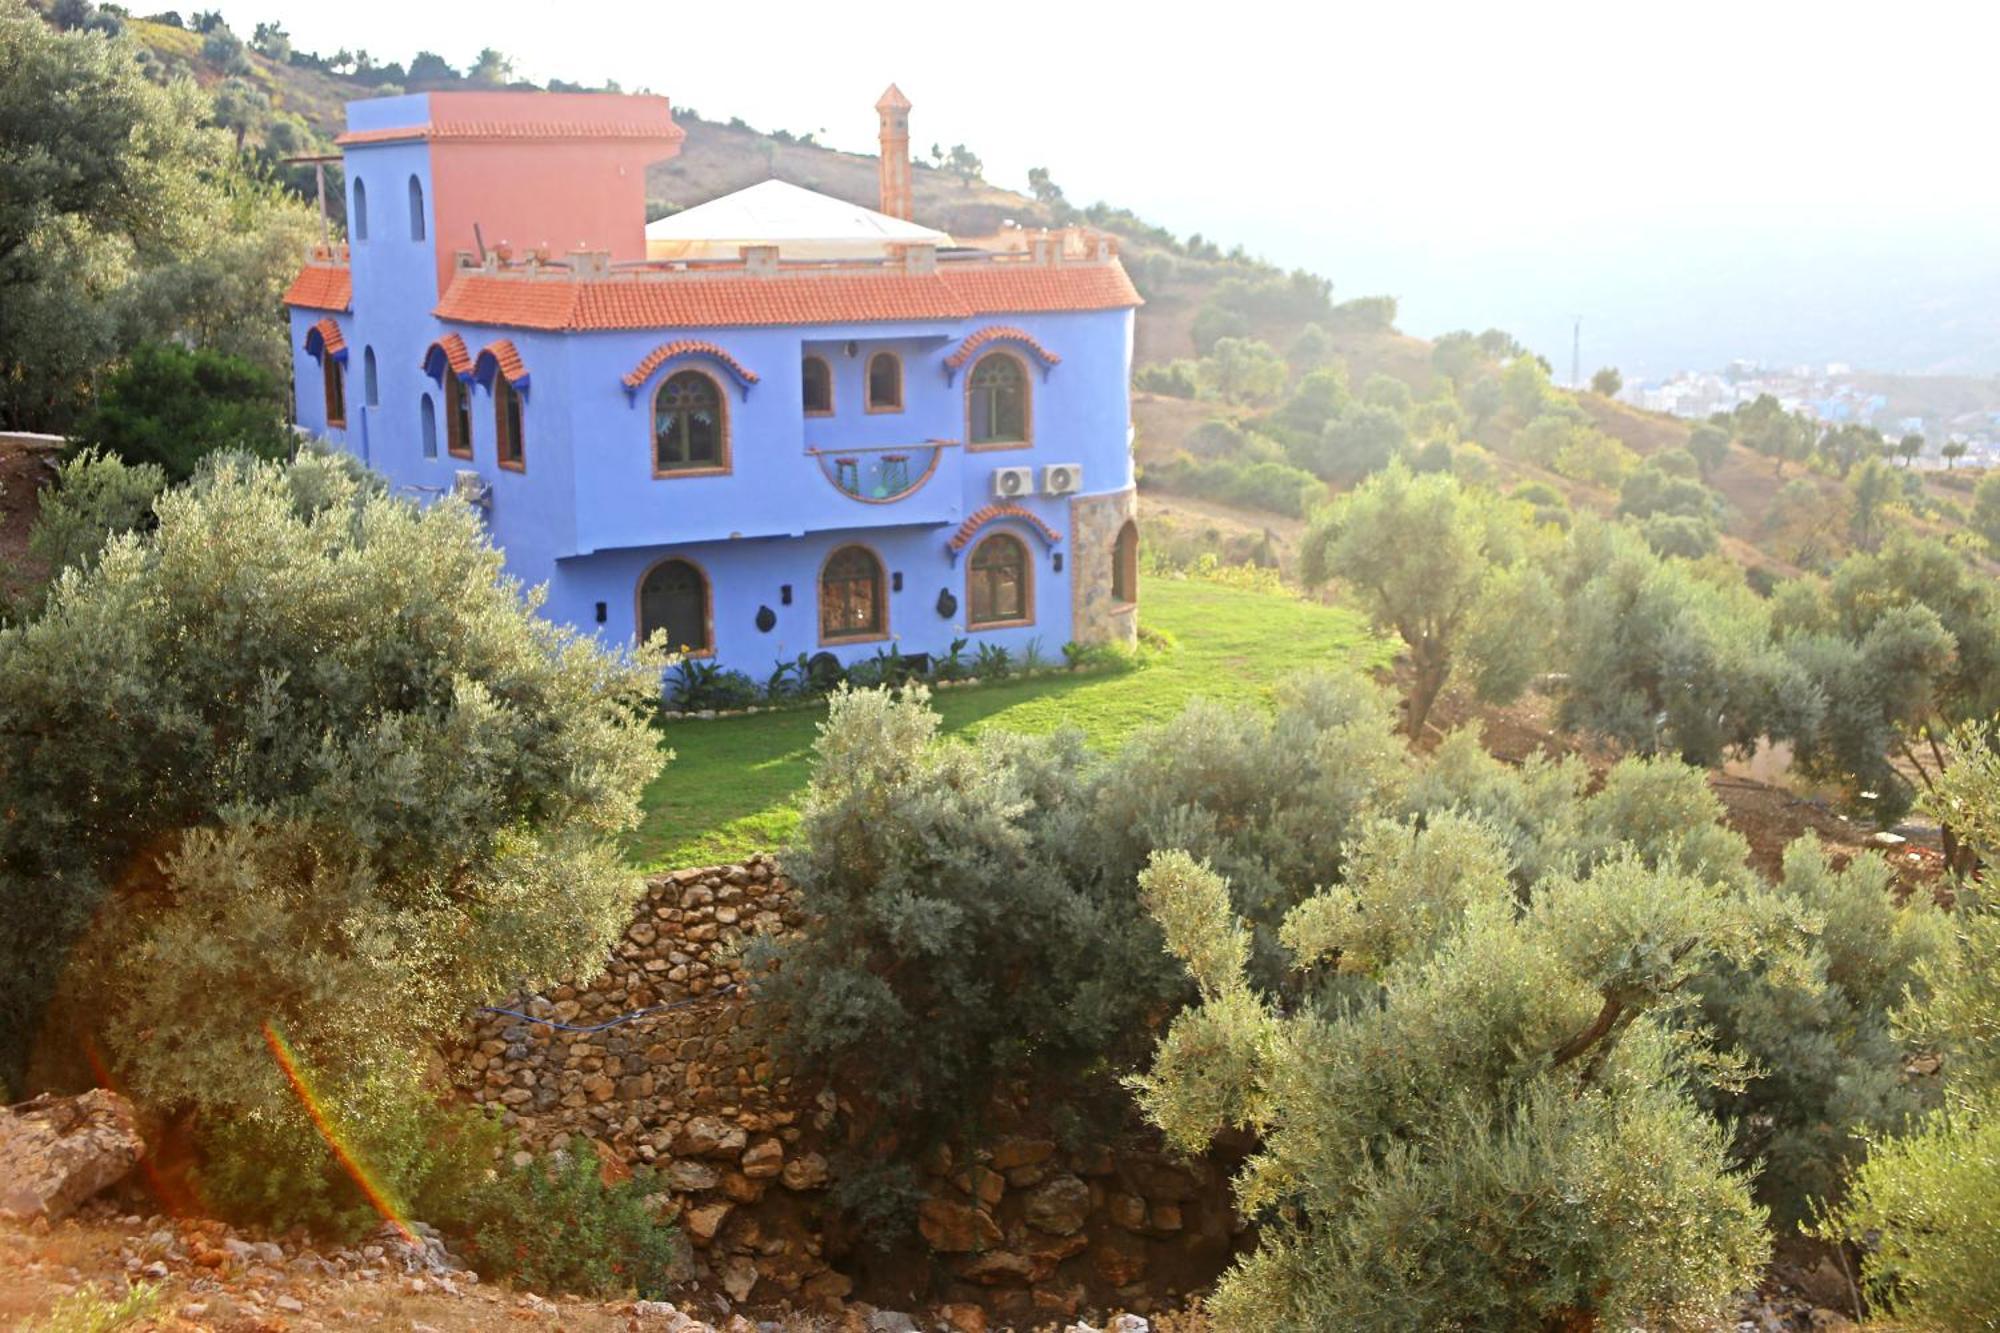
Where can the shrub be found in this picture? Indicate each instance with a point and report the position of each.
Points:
(557, 1225)
(1176, 379)
(1359, 442)
(1816, 1014)
(1527, 1160)
(93, 499)
(1683, 536)
(272, 1168)
(309, 715)
(695, 684)
(960, 937)
(1926, 1208)
(169, 407)
(1276, 487)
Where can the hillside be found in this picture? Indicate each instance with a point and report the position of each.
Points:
(1195, 294)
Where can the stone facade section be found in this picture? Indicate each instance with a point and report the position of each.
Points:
(1096, 616)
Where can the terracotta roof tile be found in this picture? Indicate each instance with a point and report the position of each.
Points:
(451, 348)
(666, 352)
(993, 333)
(327, 334)
(505, 358)
(737, 299)
(981, 517)
(322, 287)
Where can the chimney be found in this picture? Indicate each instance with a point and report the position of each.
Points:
(894, 108)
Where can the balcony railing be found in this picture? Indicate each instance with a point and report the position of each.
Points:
(881, 473)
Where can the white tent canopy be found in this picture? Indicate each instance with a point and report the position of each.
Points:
(802, 223)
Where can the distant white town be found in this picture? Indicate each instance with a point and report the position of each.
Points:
(1939, 410)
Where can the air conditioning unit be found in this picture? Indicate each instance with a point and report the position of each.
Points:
(1062, 479)
(472, 488)
(1011, 483)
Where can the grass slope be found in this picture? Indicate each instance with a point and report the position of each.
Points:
(734, 784)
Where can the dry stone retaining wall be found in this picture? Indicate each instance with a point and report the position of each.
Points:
(1020, 1227)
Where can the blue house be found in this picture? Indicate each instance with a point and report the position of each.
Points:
(780, 424)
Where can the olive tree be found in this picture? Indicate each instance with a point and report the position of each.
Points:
(1925, 1209)
(1499, 1137)
(1666, 656)
(1443, 567)
(302, 755)
(1905, 645)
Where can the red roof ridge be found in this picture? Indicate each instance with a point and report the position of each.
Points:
(733, 297)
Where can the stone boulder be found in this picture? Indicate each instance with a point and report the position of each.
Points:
(706, 1136)
(57, 1152)
(955, 1228)
(1058, 1206)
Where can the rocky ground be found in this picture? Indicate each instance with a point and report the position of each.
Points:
(205, 1276)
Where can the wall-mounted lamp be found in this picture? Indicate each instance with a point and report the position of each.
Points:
(785, 594)
(602, 612)
(1056, 562)
(853, 348)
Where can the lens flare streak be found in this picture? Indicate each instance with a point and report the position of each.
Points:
(301, 1085)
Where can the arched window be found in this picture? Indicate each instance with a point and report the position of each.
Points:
(1125, 564)
(690, 426)
(360, 210)
(997, 400)
(510, 446)
(457, 417)
(885, 382)
(997, 590)
(427, 416)
(673, 598)
(335, 377)
(850, 596)
(416, 209)
(818, 377)
(370, 395)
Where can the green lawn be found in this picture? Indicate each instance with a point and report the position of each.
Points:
(733, 785)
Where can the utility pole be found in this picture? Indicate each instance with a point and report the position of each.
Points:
(1576, 354)
(318, 161)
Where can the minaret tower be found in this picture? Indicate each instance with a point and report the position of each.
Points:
(894, 108)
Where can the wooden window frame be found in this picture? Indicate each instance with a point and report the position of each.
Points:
(457, 417)
(826, 366)
(509, 430)
(878, 635)
(724, 445)
(707, 602)
(333, 384)
(1027, 583)
(1027, 440)
(1124, 568)
(868, 383)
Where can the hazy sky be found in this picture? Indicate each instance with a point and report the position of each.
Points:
(1417, 148)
